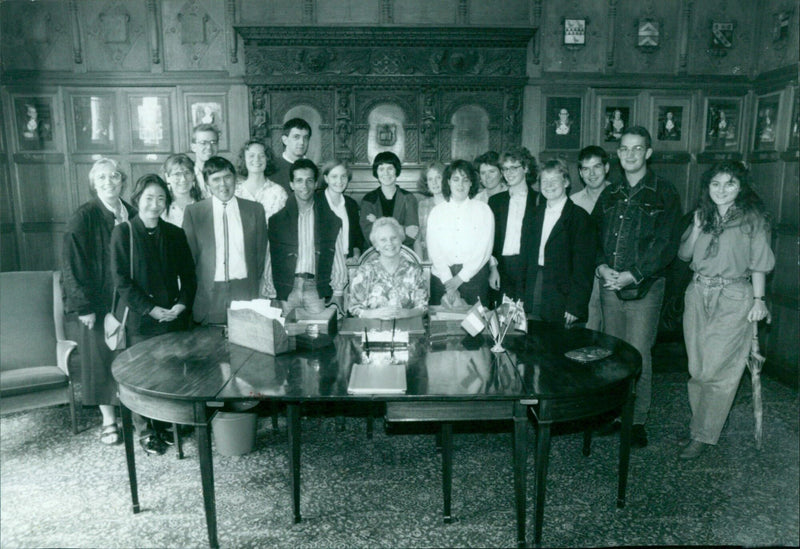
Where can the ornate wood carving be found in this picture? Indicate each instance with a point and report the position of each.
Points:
(612, 17)
(77, 53)
(344, 124)
(259, 112)
(115, 31)
(462, 15)
(387, 11)
(686, 15)
(428, 126)
(537, 18)
(308, 11)
(197, 30)
(230, 35)
(155, 32)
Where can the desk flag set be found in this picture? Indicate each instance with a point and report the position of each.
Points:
(509, 313)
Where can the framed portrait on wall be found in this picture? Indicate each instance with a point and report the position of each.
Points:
(94, 127)
(209, 109)
(562, 123)
(794, 124)
(722, 124)
(670, 120)
(150, 123)
(765, 129)
(33, 121)
(616, 115)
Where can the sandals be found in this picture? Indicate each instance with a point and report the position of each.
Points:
(110, 435)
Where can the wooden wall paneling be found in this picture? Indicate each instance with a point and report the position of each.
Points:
(778, 35)
(140, 166)
(116, 35)
(591, 57)
(784, 284)
(767, 182)
(443, 12)
(9, 259)
(781, 348)
(42, 247)
(42, 188)
(790, 202)
(629, 56)
(194, 34)
(716, 59)
(511, 13)
(36, 35)
(346, 12)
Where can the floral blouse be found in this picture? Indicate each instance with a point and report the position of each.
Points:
(373, 286)
(272, 196)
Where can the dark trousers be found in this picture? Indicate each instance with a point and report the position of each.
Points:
(476, 288)
(512, 276)
(223, 294)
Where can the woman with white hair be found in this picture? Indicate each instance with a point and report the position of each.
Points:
(89, 285)
(388, 285)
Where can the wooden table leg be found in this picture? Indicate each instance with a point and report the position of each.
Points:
(520, 458)
(625, 446)
(447, 469)
(542, 456)
(127, 436)
(293, 420)
(207, 474)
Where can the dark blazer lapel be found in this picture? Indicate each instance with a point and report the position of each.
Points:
(248, 228)
(205, 231)
(562, 221)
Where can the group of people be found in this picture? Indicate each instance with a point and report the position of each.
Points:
(206, 232)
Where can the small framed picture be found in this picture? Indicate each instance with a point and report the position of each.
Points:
(94, 127)
(766, 122)
(33, 117)
(574, 32)
(562, 123)
(670, 120)
(209, 109)
(616, 115)
(794, 124)
(151, 126)
(722, 124)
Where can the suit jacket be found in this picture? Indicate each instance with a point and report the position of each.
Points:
(568, 270)
(405, 211)
(499, 205)
(198, 224)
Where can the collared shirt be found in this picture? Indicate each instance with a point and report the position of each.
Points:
(638, 225)
(518, 199)
(201, 183)
(460, 233)
(582, 199)
(237, 268)
(174, 215)
(306, 257)
(340, 210)
(552, 213)
(120, 214)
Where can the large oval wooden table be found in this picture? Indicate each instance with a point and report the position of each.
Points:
(183, 377)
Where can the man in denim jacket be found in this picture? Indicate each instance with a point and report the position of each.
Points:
(637, 217)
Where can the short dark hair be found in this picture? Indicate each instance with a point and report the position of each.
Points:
(205, 128)
(241, 165)
(641, 131)
(217, 164)
(303, 164)
(593, 151)
(298, 123)
(465, 167)
(146, 181)
(386, 157)
(489, 157)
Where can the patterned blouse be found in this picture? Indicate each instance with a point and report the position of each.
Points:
(373, 286)
(272, 196)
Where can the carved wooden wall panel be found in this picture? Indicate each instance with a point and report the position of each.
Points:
(731, 53)
(441, 12)
(778, 44)
(629, 56)
(345, 12)
(588, 58)
(194, 34)
(36, 36)
(274, 12)
(115, 35)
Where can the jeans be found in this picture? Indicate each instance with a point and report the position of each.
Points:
(718, 338)
(636, 322)
(304, 295)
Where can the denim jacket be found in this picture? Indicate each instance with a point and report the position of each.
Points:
(637, 226)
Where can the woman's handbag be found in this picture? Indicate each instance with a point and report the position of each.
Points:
(113, 329)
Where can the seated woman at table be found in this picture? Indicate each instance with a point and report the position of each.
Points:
(388, 285)
(158, 287)
(460, 235)
(389, 200)
(184, 190)
(559, 262)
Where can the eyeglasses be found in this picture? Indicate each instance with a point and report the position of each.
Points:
(511, 168)
(207, 143)
(636, 149)
(182, 175)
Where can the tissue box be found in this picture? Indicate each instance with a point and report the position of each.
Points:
(254, 331)
(298, 321)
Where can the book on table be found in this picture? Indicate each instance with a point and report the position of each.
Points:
(355, 326)
(377, 377)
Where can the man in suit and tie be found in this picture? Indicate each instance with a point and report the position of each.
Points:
(513, 211)
(228, 239)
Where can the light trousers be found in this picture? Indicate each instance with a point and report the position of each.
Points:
(636, 322)
(718, 338)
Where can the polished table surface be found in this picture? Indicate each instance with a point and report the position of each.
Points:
(174, 377)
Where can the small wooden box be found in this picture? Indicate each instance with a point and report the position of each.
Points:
(298, 321)
(254, 331)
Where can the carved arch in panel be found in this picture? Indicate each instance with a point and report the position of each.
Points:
(470, 131)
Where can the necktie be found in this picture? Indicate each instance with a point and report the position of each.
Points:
(225, 239)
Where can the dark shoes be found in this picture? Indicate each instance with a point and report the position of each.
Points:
(693, 450)
(609, 428)
(152, 445)
(638, 436)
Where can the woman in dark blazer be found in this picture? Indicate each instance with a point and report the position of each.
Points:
(335, 178)
(88, 286)
(160, 293)
(389, 200)
(561, 256)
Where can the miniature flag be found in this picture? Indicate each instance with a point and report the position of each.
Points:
(473, 322)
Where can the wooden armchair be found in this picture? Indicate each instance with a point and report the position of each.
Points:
(34, 354)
